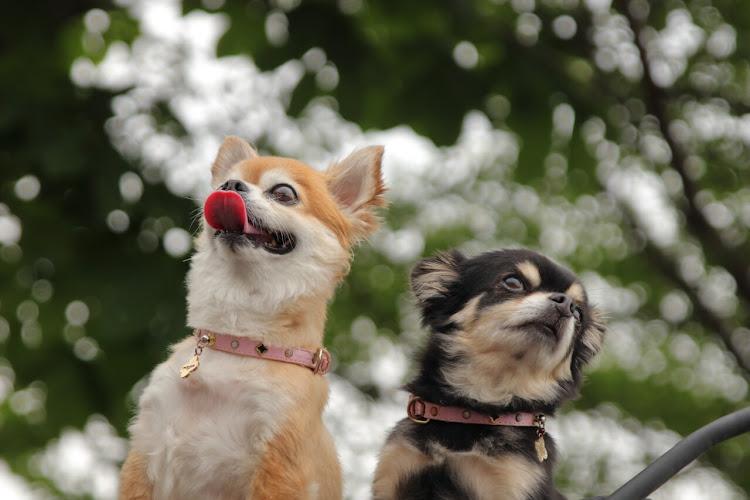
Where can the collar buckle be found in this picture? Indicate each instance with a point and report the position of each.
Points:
(321, 361)
(415, 415)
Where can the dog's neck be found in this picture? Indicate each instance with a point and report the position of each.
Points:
(433, 389)
(431, 385)
(256, 307)
(298, 325)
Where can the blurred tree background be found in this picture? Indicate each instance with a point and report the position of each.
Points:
(612, 136)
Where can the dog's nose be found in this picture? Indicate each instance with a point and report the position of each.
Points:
(233, 185)
(563, 303)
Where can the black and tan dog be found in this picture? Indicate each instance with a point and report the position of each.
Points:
(510, 332)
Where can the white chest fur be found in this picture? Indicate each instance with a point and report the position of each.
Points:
(204, 434)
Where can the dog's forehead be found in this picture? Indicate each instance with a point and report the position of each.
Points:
(543, 273)
(265, 168)
(537, 270)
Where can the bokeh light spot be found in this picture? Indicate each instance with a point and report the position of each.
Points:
(10, 229)
(564, 27)
(27, 187)
(131, 187)
(277, 28)
(465, 54)
(42, 290)
(177, 242)
(77, 313)
(86, 348)
(118, 221)
(96, 21)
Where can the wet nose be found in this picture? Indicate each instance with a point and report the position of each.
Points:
(563, 303)
(233, 185)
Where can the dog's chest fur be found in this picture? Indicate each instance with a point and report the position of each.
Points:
(480, 463)
(205, 433)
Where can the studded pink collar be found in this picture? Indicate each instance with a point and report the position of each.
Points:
(421, 412)
(318, 361)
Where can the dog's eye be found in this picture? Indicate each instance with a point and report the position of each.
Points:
(284, 194)
(577, 314)
(513, 283)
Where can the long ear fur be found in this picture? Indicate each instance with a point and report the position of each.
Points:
(431, 278)
(232, 151)
(356, 183)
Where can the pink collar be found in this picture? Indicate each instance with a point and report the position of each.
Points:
(421, 412)
(318, 361)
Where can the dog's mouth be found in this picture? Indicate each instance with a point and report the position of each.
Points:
(273, 242)
(226, 213)
(546, 329)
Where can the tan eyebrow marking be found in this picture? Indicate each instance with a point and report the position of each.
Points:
(530, 272)
(575, 292)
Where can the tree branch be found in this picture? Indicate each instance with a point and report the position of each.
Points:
(696, 223)
(658, 258)
(656, 102)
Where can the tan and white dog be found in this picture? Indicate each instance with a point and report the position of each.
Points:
(275, 242)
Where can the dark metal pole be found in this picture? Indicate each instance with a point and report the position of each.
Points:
(684, 452)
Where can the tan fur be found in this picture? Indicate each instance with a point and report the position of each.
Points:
(503, 365)
(512, 475)
(440, 272)
(231, 152)
(466, 316)
(299, 455)
(134, 482)
(506, 476)
(531, 273)
(576, 292)
(397, 459)
(360, 201)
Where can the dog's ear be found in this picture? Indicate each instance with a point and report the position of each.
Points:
(356, 183)
(232, 151)
(432, 277)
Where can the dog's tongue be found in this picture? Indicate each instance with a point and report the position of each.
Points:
(225, 211)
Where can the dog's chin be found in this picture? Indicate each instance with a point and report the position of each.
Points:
(273, 243)
(552, 331)
(547, 331)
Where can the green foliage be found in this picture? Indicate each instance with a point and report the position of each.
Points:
(396, 64)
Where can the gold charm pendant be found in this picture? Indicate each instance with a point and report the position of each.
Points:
(541, 450)
(207, 339)
(189, 367)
